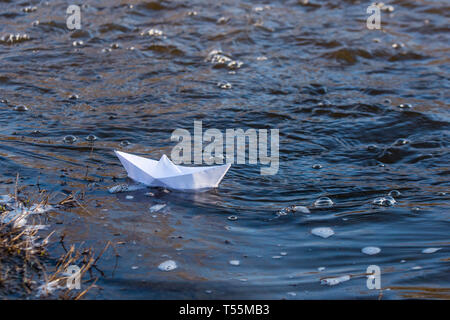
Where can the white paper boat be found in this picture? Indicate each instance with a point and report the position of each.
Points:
(164, 173)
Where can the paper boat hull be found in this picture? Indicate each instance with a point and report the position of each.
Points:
(146, 171)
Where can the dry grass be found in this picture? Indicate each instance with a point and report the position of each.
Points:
(18, 265)
(25, 261)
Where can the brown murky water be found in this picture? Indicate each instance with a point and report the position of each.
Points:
(314, 71)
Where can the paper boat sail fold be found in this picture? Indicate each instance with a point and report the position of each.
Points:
(164, 173)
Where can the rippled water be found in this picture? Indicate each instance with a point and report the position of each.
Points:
(360, 112)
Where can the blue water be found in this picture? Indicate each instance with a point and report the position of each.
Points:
(315, 72)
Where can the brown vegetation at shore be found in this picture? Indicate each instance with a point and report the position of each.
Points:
(27, 270)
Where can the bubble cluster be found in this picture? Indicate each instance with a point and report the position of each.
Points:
(383, 6)
(14, 38)
(152, 32)
(384, 201)
(220, 59)
(29, 9)
(293, 209)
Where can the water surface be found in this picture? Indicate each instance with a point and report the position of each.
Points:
(314, 71)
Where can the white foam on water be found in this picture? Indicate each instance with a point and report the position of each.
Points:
(5, 199)
(47, 289)
(371, 250)
(334, 281)
(217, 57)
(292, 294)
(126, 187)
(431, 250)
(19, 219)
(39, 208)
(18, 216)
(234, 262)
(323, 232)
(301, 209)
(156, 207)
(168, 265)
(37, 227)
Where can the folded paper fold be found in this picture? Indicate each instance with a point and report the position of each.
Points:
(164, 173)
